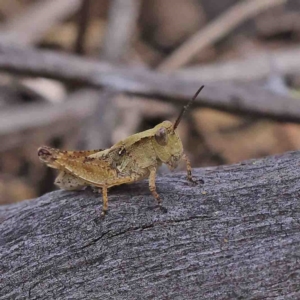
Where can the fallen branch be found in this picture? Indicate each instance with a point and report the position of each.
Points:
(215, 31)
(122, 24)
(235, 98)
(19, 125)
(257, 67)
(235, 236)
(82, 26)
(31, 25)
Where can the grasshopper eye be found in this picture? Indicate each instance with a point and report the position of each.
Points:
(161, 136)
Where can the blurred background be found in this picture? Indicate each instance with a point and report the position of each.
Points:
(254, 42)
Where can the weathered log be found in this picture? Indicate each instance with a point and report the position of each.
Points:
(235, 236)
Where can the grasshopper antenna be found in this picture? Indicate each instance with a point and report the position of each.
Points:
(185, 108)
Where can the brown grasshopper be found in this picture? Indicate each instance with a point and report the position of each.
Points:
(135, 158)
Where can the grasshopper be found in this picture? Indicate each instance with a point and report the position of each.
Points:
(134, 158)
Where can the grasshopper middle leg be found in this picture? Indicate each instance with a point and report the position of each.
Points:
(105, 201)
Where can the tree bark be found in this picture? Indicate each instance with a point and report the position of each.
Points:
(235, 236)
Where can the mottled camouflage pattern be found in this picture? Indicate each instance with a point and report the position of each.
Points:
(135, 158)
(132, 159)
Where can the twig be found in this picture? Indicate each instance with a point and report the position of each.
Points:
(278, 23)
(236, 98)
(83, 21)
(97, 134)
(259, 66)
(22, 124)
(37, 20)
(122, 20)
(9, 8)
(123, 17)
(215, 30)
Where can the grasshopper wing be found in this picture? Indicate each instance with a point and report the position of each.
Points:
(50, 155)
(96, 171)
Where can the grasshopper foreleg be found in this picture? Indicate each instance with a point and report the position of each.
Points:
(152, 186)
(188, 168)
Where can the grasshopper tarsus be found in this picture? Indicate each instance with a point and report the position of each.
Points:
(195, 181)
(103, 213)
(192, 180)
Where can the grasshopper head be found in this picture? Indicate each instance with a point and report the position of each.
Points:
(47, 155)
(168, 145)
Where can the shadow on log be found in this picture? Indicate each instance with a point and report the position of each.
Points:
(237, 236)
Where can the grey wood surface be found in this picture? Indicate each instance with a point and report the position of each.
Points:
(236, 236)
